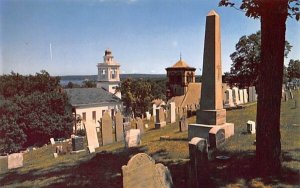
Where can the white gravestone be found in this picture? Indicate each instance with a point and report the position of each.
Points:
(251, 127)
(235, 96)
(91, 134)
(52, 141)
(91, 149)
(241, 93)
(245, 95)
(133, 138)
(228, 100)
(15, 160)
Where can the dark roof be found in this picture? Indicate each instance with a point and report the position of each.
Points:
(90, 96)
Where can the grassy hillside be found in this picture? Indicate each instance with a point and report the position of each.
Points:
(103, 168)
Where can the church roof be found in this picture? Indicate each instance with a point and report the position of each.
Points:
(180, 64)
(90, 96)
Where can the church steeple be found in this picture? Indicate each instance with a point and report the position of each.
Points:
(109, 73)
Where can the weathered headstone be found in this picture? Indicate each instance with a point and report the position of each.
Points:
(198, 165)
(52, 141)
(154, 110)
(126, 124)
(251, 128)
(148, 115)
(91, 149)
(245, 95)
(160, 118)
(133, 138)
(216, 137)
(3, 164)
(183, 124)
(55, 155)
(15, 160)
(77, 143)
(140, 125)
(119, 127)
(141, 172)
(211, 113)
(171, 113)
(107, 137)
(236, 96)
(252, 94)
(91, 134)
(228, 98)
(241, 93)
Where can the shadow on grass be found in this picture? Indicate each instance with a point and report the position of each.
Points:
(242, 166)
(102, 170)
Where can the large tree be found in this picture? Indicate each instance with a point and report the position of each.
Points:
(245, 60)
(273, 15)
(32, 110)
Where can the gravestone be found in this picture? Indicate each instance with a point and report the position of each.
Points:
(252, 94)
(183, 124)
(107, 137)
(3, 164)
(91, 149)
(91, 134)
(198, 165)
(171, 113)
(141, 172)
(241, 94)
(148, 115)
(160, 118)
(228, 98)
(216, 137)
(251, 128)
(15, 160)
(236, 96)
(77, 143)
(154, 110)
(126, 124)
(140, 125)
(211, 113)
(55, 155)
(133, 138)
(119, 127)
(52, 141)
(245, 95)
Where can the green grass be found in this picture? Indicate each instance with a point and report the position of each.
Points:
(103, 168)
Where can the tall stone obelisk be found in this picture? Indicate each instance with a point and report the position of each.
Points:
(211, 110)
(211, 117)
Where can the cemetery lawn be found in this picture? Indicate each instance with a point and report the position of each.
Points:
(103, 168)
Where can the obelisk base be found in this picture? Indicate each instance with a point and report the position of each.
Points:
(202, 131)
(211, 117)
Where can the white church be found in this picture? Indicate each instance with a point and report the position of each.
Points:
(90, 103)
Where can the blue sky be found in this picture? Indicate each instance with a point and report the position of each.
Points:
(145, 36)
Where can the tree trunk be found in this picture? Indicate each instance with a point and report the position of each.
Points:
(268, 146)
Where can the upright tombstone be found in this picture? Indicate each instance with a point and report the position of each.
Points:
(107, 137)
(198, 166)
(133, 138)
(119, 127)
(141, 171)
(183, 124)
(236, 96)
(252, 94)
(154, 110)
(126, 124)
(148, 115)
(251, 127)
(15, 160)
(140, 125)
(171, 113)
(245, 95)
(241, 94)
(228, 98)
(91, 134)
(77, 143)
(211, 113)
(52, 141)
(160, 118)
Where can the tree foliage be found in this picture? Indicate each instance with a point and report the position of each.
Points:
(32, 110)
(137, 94)
(294, 69)
(246, 59)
